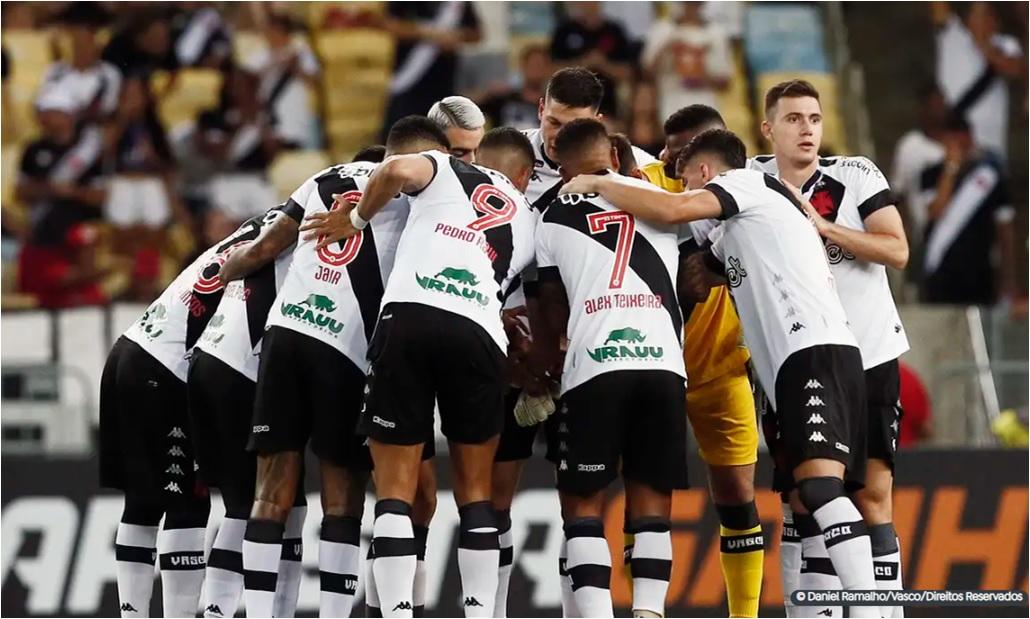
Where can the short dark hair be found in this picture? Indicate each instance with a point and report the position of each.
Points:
(412, 128)
(374, 154)
(510, 139)
(692, 118)
(575, 87)
(577, 134)
(789, 89)
(721, 142)
(623, 147)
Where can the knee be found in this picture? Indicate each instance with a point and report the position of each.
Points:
(875, 504)
(735, 490)
(347, 501)
(738, 517)
(815, 492)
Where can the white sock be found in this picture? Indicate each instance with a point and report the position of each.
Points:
(135, 550)
(418, 595)
(790, 559)
(590, 567)
(816, 571)
(291, 568)
(394, 564)
(568, 599)
(371, 595)
(650, 564)
(338, 561)
(262, 550)
(223, 580)
(506, 563)
(847, 542)
(887, 563)
(479, 557)
(181, 556)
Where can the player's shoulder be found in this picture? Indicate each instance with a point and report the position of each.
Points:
(763, 163)
(850, 168)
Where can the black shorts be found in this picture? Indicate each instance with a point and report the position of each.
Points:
(421, 354)
(883, 399)
(821, 409)
(221, 405)
(632, 416)
(307, 390)
(145, 447)
(516, 442)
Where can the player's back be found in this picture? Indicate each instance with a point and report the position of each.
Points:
(619, 273)
(469, 234)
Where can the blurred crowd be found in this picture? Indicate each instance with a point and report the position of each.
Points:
(110, 197)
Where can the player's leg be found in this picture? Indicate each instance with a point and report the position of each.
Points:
(589, 561)
(722, 413)
(343, 501)
(556, 430)
(181, 555)
(291, 568)
(278, 475)
(478, 544)
(421, 516)
(135, 551)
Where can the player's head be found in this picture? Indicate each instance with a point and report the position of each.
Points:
(794, 122)
(627, 160)
(583, 147)
(462, 121)
(510, 152)
(571, 93)
(374, 153)
(681, 127)
(415, 134)
(709, 154)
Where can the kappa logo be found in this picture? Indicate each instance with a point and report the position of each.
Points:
(563, 447)
(213, 609)
(817, 437)
(260, 429)
(176, 452)
(815, 401)
(563, 466)
(174, 469)
(816, 418)
(471, 601)
(173, 487)
(177, 433)
(843, 447)
(894, 426)
(797, 326)
(826, 612)
(376, 419)
(897, 328)
(813, 384)
(403, 606)
(128, 608)
(590, 468)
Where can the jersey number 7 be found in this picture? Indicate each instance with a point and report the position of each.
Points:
(346, 254)
(496, 212)
(599, 222)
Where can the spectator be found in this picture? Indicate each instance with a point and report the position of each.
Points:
(239, 138)
(916, 418)
(429, 36)
(974, 61)
(689, 58)
(586, 38)
(644, 128)
(286, 68)
(92, 84)
(201, 37)
(59, 182)
(139, 202)
(519, 107)
(142, 46)
(969, 222)
(917, 150)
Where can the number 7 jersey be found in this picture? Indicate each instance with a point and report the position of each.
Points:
(619, 273)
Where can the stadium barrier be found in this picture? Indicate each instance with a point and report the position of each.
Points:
(961, 515)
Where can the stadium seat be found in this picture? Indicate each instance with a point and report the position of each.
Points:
(360, 48)
(784, 37)
(9, 172)
(245, 43)
(292, 168)
(194, 91)
(329, 15)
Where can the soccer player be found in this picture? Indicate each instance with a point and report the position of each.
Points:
(806, 357)
(849, 201)
(720, 404)
(469, 235)
(311, 373)
(145, 447)
(608, 281)
(463, 122)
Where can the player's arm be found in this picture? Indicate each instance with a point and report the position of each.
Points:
(647, 202)
(883, 240)
(401, 173)
(548, 323)
(273, 239)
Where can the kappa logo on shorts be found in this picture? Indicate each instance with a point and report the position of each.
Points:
(563, 447)
(815, 401)
(173, 487)
(260, 429)
(843, 447)
(177, 433)
(813, 384)
(176, 452)
(175, 469)
(563, 466)
(894, 425)
(376, 419)
(817, 437)
(590, 468)
(816, 418)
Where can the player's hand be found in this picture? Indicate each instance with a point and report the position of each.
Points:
(817, 220)
(584, 183)
(531, 410)
(330, 227)
(694, 282)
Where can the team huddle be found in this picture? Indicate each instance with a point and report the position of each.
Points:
(556, 282)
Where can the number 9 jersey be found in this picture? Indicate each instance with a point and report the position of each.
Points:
(333, 294)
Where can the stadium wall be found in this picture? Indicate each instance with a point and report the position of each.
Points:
(962, 517)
